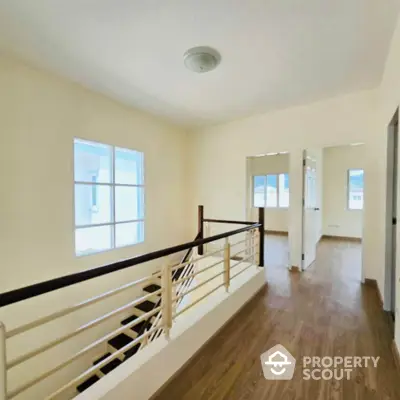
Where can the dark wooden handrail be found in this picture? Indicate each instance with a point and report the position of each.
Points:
(27, 292)
(224, 221)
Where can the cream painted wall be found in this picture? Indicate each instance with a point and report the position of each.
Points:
(276, 219)
(40, 115)
(388, 101)
(338, 220)
(336, 121)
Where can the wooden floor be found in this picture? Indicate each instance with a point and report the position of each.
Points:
(277, 251)
(324, 311)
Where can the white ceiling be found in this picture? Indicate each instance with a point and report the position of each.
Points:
(274, 53)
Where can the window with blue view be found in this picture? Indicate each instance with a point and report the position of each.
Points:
(271, 190)
(109, 197)
(355, 189)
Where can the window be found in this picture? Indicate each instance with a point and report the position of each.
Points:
(355, 187)
(259, 191)
(271, 190)
(109, 197)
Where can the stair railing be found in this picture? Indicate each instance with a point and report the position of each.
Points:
(188, 266)
(173, 291)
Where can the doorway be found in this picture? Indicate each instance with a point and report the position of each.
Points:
(310, 208)
(391, 215)
(268, 187)
(333, 204)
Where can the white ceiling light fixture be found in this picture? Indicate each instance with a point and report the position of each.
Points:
(201, 59)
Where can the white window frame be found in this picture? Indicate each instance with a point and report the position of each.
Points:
(113, 223)
(278, 205)
(348, 189)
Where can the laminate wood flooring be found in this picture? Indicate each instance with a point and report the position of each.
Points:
(324, 311)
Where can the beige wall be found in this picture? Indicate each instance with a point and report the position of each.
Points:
(357, 117)
(276, 219)
(40, 115)
(353, 119)
(338, 220)
(388, 101)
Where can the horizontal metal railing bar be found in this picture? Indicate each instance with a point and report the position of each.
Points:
(82, 352)
(197, 286)
(223, 221)
(193, 274)
(51, 285)
(241, 251)
(193, 260)
(198, 300)
(246, 249)
(76, 381)
(108, 184)
(81, 329)
(242, 270)
(242, 241)
(69, 310)
(129, 221)
(241, 261)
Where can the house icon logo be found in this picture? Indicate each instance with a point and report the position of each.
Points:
(278, 364)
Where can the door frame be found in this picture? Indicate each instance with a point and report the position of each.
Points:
(303, 212)
(390, 239)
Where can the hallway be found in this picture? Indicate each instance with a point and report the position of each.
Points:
(322, 312)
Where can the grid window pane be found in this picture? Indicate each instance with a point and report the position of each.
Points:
(272, 191)
(92, 162)
(283, 190)
(92, 204)
(259, 191)
(356, 189)
(128, 203)
(129, 233)
(128, 167)
(93, 239)
(109, 190)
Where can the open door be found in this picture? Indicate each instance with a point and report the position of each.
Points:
(310, 209)
(391, 216)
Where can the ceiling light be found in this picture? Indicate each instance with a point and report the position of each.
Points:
(201, 59)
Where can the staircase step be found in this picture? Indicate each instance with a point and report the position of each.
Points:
(129, 319)
(110, 366)
(137, 328)
(86, 384)
(118, 342)
(132, 351)
(152, 288)
(146, 306)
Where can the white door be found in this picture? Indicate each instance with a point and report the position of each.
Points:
(310, 209)
(391, 216)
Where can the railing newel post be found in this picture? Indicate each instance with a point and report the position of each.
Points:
(261, 230)
(227, 266)
(3, 363)
(166, 299)
(200, 223)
